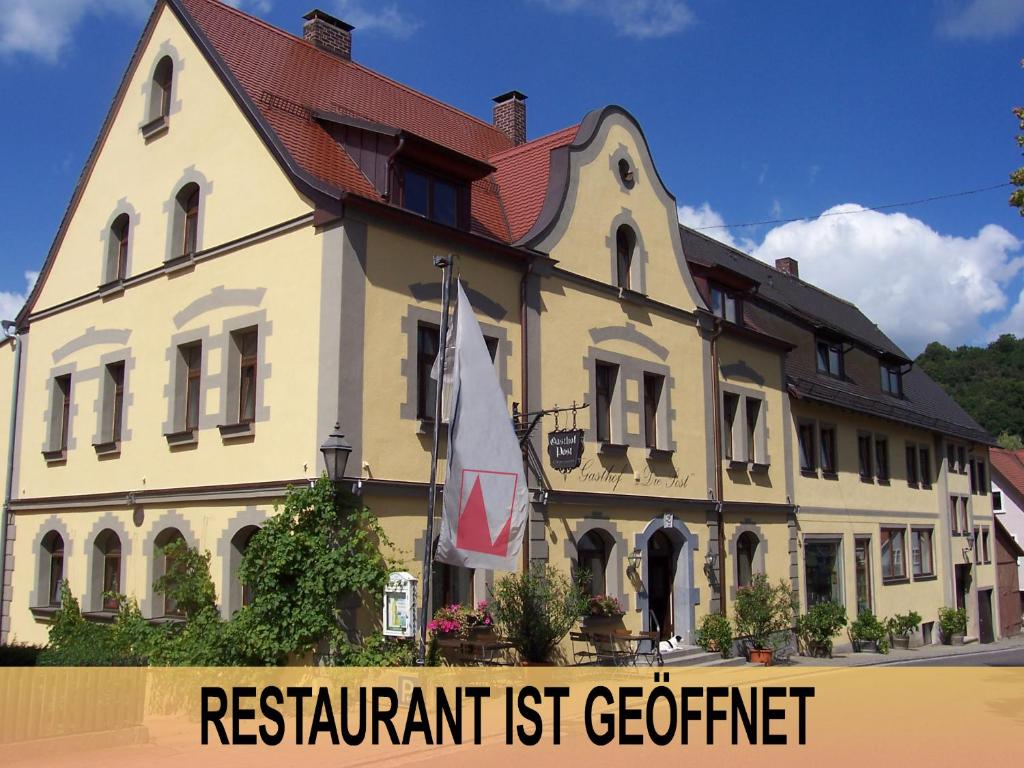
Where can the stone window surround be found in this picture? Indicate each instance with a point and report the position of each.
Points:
(108, 270)
(39, 596)
(105, 401)
(873, 438)
(146, 126)
(742, 453)
(52, 416)
(622, 153)
(684, 593)
(171, 518)
(758, 566)
(614, 582)
(174, 393)
(417, 316)
(827, 538)
(176, 216)
(230, 557)
(818, 426)
(93, 598)
(229, 378)
(638, 262)
(630, 369)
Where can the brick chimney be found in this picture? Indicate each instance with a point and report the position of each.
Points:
(789, 266)
(510, 116)
(328, 33)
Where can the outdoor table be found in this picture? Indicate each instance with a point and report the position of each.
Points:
(486, 651)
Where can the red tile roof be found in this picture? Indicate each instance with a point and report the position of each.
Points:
(1009, 464)
(287, 79)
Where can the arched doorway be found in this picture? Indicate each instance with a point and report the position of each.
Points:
(662, 554)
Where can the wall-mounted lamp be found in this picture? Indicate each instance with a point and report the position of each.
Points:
(970, 540)
(710, 562)
(336, 450)
(633, 560)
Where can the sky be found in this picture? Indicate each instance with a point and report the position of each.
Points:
(755, 112)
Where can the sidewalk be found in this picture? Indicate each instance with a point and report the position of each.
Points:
(850, 659)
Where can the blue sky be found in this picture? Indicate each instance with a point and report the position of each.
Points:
(754, 111)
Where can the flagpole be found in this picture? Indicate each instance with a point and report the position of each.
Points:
(445, 264)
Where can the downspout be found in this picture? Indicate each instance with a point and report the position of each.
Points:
(8, 489)
(719, 482)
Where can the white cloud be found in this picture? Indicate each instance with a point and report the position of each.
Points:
(982, 19)
(257, 6)
(917, 284)
(43, 28)
(11, 302)
(639, 19)
(386, 18)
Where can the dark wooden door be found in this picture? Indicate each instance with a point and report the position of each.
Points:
(661, 577)
(1007, 584)
(985, 629)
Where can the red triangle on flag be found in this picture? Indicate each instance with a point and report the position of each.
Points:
(474, 531)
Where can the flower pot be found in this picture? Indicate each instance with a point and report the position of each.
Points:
(865, 646)
(761, 656)
(957, 639)
(903, 643)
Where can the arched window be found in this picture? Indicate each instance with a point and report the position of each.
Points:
(165, 563)
(107, 570)
(160, 93)
(186, 220)
(51, 569)
(593, 551)
(746, 549)
(625, 245)
(117, 250)
(241, 594)
(452, 585)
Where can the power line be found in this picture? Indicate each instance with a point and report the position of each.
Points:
(965, 193)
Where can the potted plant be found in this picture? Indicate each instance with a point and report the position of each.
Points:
(535, 610)
(479, 620)
(953, 624)
(818, 626)
(867, 632)
(715, 634)
(900, 626)
(763, 613)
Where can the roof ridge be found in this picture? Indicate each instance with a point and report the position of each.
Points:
(533, 143)
(409, 89)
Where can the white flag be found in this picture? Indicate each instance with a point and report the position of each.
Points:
(485, 494)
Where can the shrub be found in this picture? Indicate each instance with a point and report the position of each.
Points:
(953, 621)
(763, 612)
(902, 624)
(605, 605)
(535, 610)
(19, 655)
(188, 581)
(819, 625)
(378, 651)
(715, 634)
(867, 629)
(76, 642)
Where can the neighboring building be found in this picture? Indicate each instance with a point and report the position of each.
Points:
(1008, 508)
(248, 259)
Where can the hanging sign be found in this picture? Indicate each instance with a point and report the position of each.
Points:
(565, 449)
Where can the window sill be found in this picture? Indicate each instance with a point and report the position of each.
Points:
(110, 448)
(828, 475)
(159, 621)
(105, 616)
(612, 449)
(913, 485)
(238, 431)
(760, 467)
(735, 465)
(925, 577)
(628, 294)
(868, 480)
(154, 128)
(179, 263)
(112, 289)
(883, 481)
(809, 473)
(895, 580)
(183, 438)
(44, 612)
(926, 486)
(660, 454)
(427, 427)
(53, 458)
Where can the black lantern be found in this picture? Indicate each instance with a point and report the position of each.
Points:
(336, 450)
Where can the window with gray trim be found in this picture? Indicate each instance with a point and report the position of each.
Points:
(827, 444)
(625, 247)
(593, 551)
(746, 550)
(882, 459)
(823, 571)
(654, 384)
(112, 402)
(241, 593)
(605, 375)
(51, 569)
(427, 349)
(185, 221)
(921, 553)
(451, 585)
(242, 375)
(116, 267)
(166, 563)
(925, 466)
(806, 441)
(160, 90)
(744, 428)
(60, 417)
(188, 375)
(893, 548)
(107, 569)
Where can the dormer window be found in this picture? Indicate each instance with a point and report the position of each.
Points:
(725, 305)
(892, 380)
(830, 358)
(432, 197)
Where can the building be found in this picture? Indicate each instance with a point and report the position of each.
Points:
(248, 259)
(1008, 508)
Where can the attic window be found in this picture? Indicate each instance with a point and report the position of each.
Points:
(892, 380)
(432, 196)
(159, 109)
(625, 245)
(829, 356)
(626, 173)
(725, 305)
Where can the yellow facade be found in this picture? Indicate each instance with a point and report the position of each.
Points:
(338, 302)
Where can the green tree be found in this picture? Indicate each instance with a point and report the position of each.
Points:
(1010, 442)
(318, 556)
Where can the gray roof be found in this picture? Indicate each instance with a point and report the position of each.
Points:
(924, 403)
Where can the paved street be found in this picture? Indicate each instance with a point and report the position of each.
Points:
(1002, 657)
